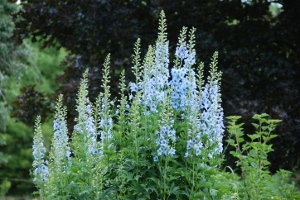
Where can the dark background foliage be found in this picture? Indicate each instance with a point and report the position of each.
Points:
(258, 51)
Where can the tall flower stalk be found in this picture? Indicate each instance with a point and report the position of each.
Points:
(104, 114)
(212, 112)
(85, 128)
(60, 153)
(40, 165)
(155, 72)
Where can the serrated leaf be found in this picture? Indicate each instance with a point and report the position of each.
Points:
(254, 136)
(231, 142)
(255, 125)
(240, 140)
(173, 189)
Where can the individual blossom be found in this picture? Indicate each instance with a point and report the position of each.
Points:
(155, 158)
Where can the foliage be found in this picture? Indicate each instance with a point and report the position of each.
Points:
(154, 144)
(37, 85)
(44, 66)
(14, 60)
(259, 50)
(256, 181)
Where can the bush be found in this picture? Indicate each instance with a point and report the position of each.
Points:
(162, 140)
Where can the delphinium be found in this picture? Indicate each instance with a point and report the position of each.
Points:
(162, 139)
(104, 110)
(183, 80)
(211, 121)
(60, 153)
(166, 135)
(85, 132)
(152, 78)
(198, 105)
(165, 149)
(40, 165)
(162, 102)
(151, 113)
(151, 136)
(184, 93)
(199, 112)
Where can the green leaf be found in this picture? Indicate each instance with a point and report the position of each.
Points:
(240, 140)
(199, 195)
(255, 125)
(254, 136)
(231, 142)
(173, 189)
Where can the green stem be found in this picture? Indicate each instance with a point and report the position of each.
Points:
(166, 161)
(193, 177)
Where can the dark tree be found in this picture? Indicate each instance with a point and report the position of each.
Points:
(258, 51)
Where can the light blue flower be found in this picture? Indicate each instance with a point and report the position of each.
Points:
(155, 79)
(165, 138)
(41, 173)
(212, 116)
(86, 126)
(60, 146)
(181, 52)
(40, 166)
(183, 88)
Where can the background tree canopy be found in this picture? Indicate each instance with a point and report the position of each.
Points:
(258, 51)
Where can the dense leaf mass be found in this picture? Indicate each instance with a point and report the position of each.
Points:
(258, 50)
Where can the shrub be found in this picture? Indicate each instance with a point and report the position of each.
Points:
(161, 140)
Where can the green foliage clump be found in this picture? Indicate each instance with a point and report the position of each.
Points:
(13, 59)
(38, 81)
(20, 65)
(162, 139)
(258, 69)
(256, 180)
